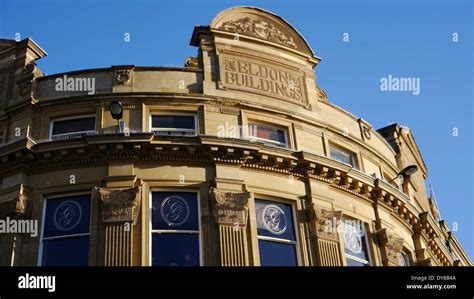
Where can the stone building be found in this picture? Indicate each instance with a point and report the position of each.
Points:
(237, 158)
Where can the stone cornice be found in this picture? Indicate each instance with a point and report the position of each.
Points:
(210, 150)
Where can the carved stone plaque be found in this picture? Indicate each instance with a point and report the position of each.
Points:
(272, 79)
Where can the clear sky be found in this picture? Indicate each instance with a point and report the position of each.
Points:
(399, 38)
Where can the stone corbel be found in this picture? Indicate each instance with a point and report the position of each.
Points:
(119, 205)
(323, 223)
(391, 247)
(230, 209)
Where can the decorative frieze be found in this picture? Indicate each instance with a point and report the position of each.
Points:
(124, 77)
(119, 205)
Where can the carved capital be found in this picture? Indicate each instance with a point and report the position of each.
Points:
(392, 246)
(119, 205)
(230, 208)
(324, 223)
(15, 207)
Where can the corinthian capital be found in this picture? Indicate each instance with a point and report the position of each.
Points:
(392, 246)
(324, 223)
(230, 208)
(119, 205)
(15, 206)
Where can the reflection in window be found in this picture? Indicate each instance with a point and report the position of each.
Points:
(268, 134)
(343, 156)
(173, 125)
(276, 234)
(66, 231)
(355, 243)
(72, 127)
(174, 229)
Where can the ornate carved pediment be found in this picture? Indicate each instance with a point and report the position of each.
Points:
(119, 205)
(230, 208)
(324, 223)
(392, 245)
(260, 29)
(14, 207)
(260, 24)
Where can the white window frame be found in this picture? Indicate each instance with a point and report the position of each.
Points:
(265, 141)
(51, 125)
(195, 131)
(296, 242)
(355, 258)
(43, 222)
(163, 231)
(340, 149)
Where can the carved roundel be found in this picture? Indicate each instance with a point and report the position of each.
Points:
(353, 241)
(274, 219)
(67, 215)
(174, 210)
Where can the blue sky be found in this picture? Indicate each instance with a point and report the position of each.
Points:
(399, 38)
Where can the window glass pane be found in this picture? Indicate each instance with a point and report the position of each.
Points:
(276, 253)
(67, 216)
(170, 249)
(66, 252)
(274, 220)
(342, 156)
(269, 133)
(173, 121)
(355, 239)
(73, 125)
(174, 210)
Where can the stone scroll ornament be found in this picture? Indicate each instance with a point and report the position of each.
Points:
(259, 29)
(392, 244)
(324, 223)
(119, 205)
(230, 208)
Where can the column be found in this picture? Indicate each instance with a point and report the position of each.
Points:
(14, 209)
(230, 212)
(119, 211)
(323, 227)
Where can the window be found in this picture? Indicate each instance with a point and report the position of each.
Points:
(343, 156)
(404, 259)
(268, 134)
(72, 127)
(276, 234)
(355, 243)
(174, 229)
(66, 231)
(174, 124)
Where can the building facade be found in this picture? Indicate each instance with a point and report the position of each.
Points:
(236, 159)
